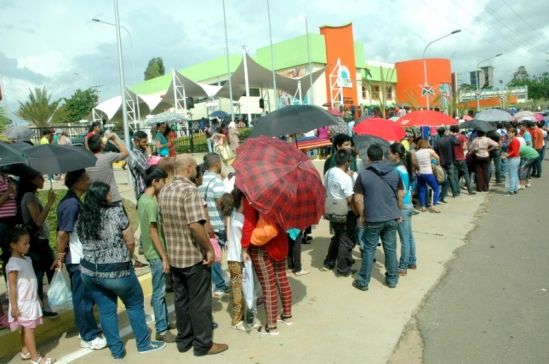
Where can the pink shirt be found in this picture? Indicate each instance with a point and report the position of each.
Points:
(323, 132)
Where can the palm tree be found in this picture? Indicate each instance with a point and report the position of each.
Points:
(4, 120)
(38, 109)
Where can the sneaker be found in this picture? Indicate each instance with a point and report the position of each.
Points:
(96, 344)
(153, 346)
(472, 193)
(302, 272)
(49, 314)
(167, 337)
(442, 202)
(286, 319)
(528, 185)
(218, 294)
(507, 194)
(402, 272)
(240, 326)
(358, 286)
(266, 330)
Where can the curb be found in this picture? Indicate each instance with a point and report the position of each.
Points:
(53, 329)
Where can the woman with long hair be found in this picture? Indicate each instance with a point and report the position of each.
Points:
(424, 156)
(481, 147)
(405, 168)
(34, 217)
(107, 271)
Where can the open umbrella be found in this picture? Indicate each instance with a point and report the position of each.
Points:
(55, 159)
(363, 142)
(494, 116)
(165, 117)
(539, 116)
(426, 118)
(525, 115)
(219, 114)
(381, 128)
(478, 125)
(10, 155)
(280, 182)
(467, 118)
(19, 133)
(293, 119)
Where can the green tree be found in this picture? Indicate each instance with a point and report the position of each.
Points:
(520, 77)
(80, 104)
(39, 109)
(155, 68)
(538, 87)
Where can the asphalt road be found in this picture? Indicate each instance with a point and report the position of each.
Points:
(492, 306)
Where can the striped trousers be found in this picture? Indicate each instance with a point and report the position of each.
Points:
(272, 278)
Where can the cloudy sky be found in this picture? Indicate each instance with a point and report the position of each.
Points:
(55, 43)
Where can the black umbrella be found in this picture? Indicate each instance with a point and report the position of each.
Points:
(293, 119)
(54, 159)
(10, 155)
(363, 142)
(478, 125)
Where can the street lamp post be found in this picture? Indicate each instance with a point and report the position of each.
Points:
(121, 71)
(425, 63)
(478, 76)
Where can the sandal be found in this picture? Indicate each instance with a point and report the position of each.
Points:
(432, 209)
(286, 319)
(42, 360)
(266, 330)
(423, 209)
(25, 356)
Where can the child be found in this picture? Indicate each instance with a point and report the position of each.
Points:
(154, 249)
(231, 208)
(24, 306)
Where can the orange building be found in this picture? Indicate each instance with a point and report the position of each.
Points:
(340, 47)
(411, 82)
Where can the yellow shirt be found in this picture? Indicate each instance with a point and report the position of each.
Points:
(44, 140)
(406, 144)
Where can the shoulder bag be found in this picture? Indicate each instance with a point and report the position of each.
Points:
(335, 209)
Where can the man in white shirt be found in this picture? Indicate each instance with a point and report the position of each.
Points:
(339, 185)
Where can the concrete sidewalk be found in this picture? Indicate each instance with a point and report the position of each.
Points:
(333, 322)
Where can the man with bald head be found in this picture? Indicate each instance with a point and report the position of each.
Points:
(191, 255)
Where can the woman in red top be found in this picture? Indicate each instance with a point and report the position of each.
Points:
(513, 163)
(269, 263)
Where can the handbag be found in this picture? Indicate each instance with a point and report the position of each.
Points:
(439, 173)
(335, 209)
(263, 232)
(225, 152)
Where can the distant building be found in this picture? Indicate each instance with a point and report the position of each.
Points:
(484, 76)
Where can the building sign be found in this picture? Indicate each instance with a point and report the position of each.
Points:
(344, 79)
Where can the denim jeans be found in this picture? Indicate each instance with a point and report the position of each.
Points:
(105, 292)
(451, 181)
(158, 298)
(462, 170)
(82, 302)
(218, 279)
(373, 231)
(512, 174)
(539, 161)
(407, 241)
(422, 181)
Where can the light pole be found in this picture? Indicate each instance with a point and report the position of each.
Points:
(478, 76)
(425, 63)
(135, 78)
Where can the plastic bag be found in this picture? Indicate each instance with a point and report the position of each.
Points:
(217, 249)
(59, 292)
(248, 292)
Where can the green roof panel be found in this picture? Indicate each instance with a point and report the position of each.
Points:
(293, 52)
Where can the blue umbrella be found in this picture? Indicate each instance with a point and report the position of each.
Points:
(219, 114)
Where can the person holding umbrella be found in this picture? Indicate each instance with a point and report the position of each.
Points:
(34, 215)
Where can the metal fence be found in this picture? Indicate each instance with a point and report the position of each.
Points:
(191, 140)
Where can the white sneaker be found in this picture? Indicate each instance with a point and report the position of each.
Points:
(96, 344)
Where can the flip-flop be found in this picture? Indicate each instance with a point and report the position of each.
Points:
(433, 210)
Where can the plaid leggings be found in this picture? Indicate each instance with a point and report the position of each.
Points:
(235, 268)
(272, 278)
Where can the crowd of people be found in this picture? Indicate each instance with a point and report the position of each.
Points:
(190, 213)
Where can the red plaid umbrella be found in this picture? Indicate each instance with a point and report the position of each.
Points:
(426, 118)
(280, 182)
(381, 128)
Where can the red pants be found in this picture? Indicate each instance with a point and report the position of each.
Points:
(272, 278)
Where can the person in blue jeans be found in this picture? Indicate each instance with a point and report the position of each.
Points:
(403, 161)
(106, 268)
(378, 196)
(154, 249)
(69, 251)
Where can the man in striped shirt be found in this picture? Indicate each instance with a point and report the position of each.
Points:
(8, 206)
(211, 191)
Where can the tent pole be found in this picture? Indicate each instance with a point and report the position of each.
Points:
(311, 92)
(174, 91)
(247, 84)
(272, 53)
(228, 63)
